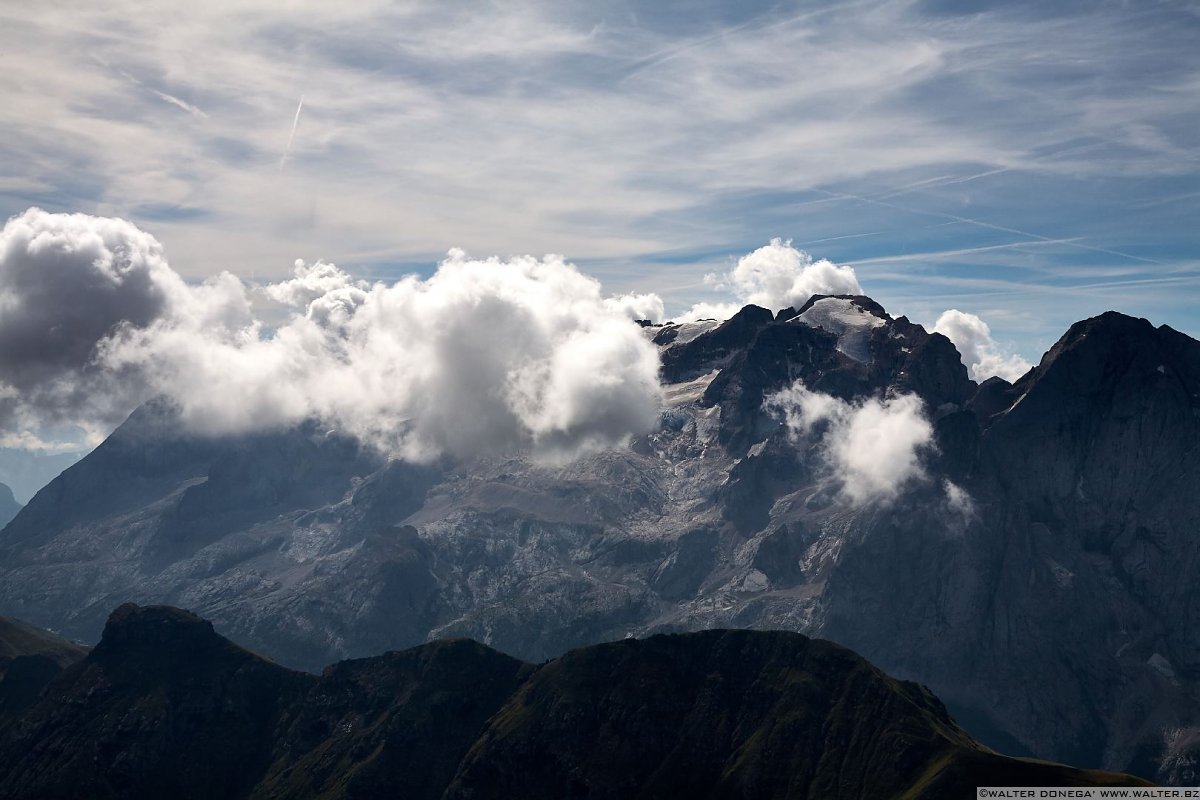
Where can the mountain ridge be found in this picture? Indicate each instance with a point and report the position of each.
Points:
(1063, 496)
(165, 706)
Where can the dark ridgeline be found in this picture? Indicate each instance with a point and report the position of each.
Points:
(1053, 613)
(29, 658)
(165, 707)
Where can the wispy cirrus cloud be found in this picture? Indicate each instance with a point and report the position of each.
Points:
(653, 144)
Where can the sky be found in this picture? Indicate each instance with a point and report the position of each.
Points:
(1029, 163)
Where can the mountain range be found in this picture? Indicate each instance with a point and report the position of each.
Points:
(8, 505)
(165, 707)
(1029, 558)
(26, 471)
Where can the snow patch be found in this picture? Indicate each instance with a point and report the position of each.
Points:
(679, 394)
(687, 330)
(846, 320)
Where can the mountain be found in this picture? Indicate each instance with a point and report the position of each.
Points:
(26, 471)
(165, 707)
(19, 639)
(1033, 567)
(8, 505)
(29, 658)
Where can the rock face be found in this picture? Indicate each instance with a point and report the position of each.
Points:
(164, 707)
(1060, 612)
(1036, 574)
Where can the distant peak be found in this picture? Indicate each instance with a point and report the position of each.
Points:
(1113, 321)
(133, 625)
(860, 300)
(750, 315)
(1111, 335)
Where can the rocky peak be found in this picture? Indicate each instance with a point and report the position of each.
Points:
(1096, 348)
(844, 345)
(131, 624)
(1107, 369)
(712, 348)
(861, 301)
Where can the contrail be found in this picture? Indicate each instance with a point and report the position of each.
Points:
(292, 135)
(980, 223)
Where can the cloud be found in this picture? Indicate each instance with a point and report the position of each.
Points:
(776, 276)
(67, 283)
(637, 306)
(483, 356)
(691, 135)
(958, 501)
(326, 294)
(980, 353)
(874, 446)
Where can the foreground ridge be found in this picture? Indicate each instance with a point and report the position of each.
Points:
(166, 707)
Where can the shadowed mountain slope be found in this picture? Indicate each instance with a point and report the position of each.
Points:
(29, 658)
(164, 707)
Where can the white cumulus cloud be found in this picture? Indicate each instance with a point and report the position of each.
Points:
(980, 353)
(484, 355)
(874, 446)
(67, 283)
(958, 500)
(776, 276)
(638, 306)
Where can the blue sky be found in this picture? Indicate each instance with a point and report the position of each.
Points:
(1033, 163)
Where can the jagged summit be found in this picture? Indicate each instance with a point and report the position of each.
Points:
(1107, 359)
(1103, 347)
(859, 300)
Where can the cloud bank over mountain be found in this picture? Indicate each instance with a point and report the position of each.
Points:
(485, 355)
